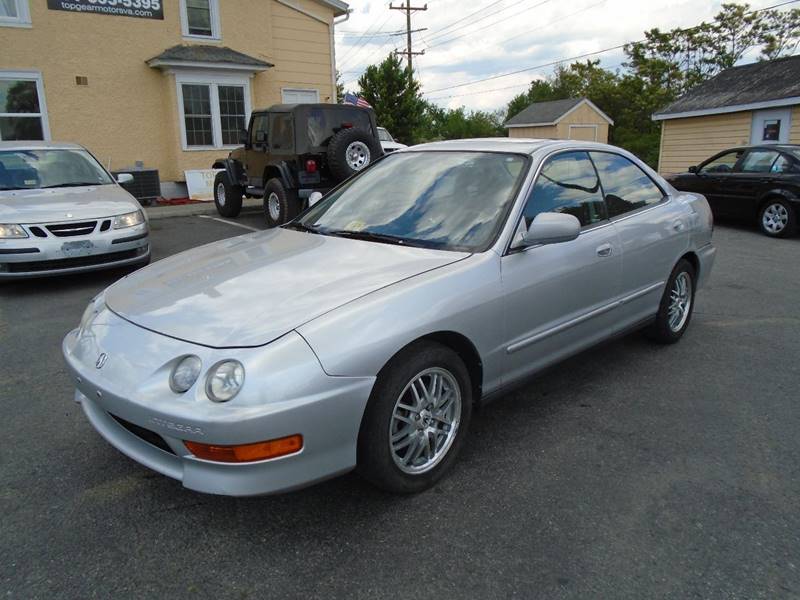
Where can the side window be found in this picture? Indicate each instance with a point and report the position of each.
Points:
(626, 186)
(567, 183)
(759, 161)
(259, 126)
(723, 163)
(784, 164)
(281, 135)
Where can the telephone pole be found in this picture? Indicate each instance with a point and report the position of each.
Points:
(409, 53)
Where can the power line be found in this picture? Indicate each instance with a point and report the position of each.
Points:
(408, 9)
(585, 55)
(436, 34)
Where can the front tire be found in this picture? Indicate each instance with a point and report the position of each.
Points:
(416, 420)
(777, 218)
(280, 205)
(227, 196)
(676, 307)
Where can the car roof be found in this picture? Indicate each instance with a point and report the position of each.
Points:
(515, 145)
(37, 145)
(783, 147)
(291, 107)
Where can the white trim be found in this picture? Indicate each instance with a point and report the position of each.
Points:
(42, 114)
(283, 90)
(23, 18)
(728, 109)
(562, 117)
(176, 64)
(288, 4)
(216, 28)
(213, 80)
(571, 127)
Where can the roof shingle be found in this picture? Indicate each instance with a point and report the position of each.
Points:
(208, 54)
(544, 112)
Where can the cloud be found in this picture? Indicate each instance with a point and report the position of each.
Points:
(522, 34)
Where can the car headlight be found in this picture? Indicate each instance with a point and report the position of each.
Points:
(185, 374)
(224, 381)
(10, 231)
(128, 220)
(95, 306)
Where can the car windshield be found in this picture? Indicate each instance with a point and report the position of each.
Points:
(49, 168)
(448, 200)
(384, 135)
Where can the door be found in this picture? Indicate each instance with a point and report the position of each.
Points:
(298, 96)
(771, 126)
(753, 176)
(711, 177)
(653, 230)
(256, 153)
(557, 296)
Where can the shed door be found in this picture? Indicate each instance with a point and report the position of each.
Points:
(771, 126)
(584, 133)
(300, 96)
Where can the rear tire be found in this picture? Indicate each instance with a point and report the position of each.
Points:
(777, 218)
(677, 305)
(280, 204)
(350, 151)
(405, 444)
(227, 197)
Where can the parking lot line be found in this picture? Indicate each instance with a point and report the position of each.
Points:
(234, 223)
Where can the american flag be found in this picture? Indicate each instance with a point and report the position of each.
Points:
(355, 100)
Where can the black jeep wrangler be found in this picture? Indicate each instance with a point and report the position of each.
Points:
(292, 150)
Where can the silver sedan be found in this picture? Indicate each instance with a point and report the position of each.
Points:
(361, 334)
(62, 212)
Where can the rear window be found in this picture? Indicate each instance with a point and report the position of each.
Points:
(322, 123)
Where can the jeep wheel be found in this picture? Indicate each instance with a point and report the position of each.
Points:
(350, 151)
(280, 204)
(227, 197)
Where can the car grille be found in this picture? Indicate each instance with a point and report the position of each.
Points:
(71, 263)
(146, 435)
(72, 229)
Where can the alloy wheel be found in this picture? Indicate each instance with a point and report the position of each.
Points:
(274, 206)
(357, 155)
(221, 194)
(775, 218)
(425, 420)
(680, 301)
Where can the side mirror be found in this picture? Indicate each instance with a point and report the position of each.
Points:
(693, 169)
(551, 228)
(314, 198)
(124, 178)
(244, 137)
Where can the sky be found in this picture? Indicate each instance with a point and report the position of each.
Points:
(503, 36)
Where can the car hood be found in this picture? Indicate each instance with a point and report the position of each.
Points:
(65, 204)
(252, 289)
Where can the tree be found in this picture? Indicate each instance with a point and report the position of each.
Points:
(780, 34)
(394, 96)
(339, 87)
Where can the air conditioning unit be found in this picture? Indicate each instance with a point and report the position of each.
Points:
(146, 184)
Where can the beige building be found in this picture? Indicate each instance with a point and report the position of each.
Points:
(169, 83)
(753, 104)
(571, 119)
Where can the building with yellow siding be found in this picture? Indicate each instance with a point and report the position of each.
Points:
(166, 83)
(757, 103)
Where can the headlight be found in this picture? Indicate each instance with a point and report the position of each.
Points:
(95, 306)
(11, 231)
(128, 220)
(185, 374)
(225, 380)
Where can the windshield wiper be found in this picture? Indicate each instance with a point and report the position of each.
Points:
(370, 236)
(302, 227)
(72, 184)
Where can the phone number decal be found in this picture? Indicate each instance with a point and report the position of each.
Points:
(142, 9)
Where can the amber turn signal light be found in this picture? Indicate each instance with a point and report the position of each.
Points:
(247, 452)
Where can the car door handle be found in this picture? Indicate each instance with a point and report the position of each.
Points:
(605, 250)
(678, 225)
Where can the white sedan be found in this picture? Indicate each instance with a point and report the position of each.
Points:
(388, 143)
(62, 212)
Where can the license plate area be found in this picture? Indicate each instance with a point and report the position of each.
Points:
(78, 248)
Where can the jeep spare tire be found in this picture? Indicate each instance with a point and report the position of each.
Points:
(350, 151)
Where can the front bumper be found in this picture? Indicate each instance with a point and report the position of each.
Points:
(51, 255)
(326, 410)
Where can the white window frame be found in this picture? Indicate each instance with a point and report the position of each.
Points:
(284, 90)
(42, 114)
(213, 81)
(216, 28)
(23, 18)
(571, 127)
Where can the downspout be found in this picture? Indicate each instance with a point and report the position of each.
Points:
(333, 52)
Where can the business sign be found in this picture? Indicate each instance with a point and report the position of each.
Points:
(143, 9)
(200, 183)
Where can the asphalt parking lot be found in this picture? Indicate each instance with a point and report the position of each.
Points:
(631, 471)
